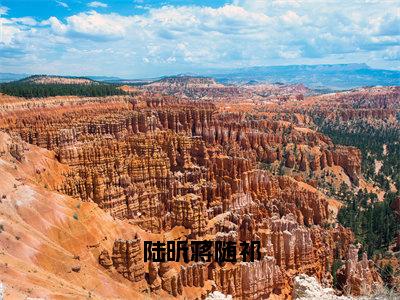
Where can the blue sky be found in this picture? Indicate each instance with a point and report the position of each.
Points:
(143, 38)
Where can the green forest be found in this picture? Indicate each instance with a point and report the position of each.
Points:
(373, 222)
(371, 140)
(35, 90)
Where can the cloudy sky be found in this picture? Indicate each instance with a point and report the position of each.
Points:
(144, 38)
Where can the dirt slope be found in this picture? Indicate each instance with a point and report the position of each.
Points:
(45, 234)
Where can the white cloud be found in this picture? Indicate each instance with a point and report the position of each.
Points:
(92, 25)
(392, 53)
(390, 24)
(8, 32)
(170, 39)
(97, 4)
(293, 19)
(63, 4)
(29, 21)
(56, 25)
(3, 10)
(290, 53)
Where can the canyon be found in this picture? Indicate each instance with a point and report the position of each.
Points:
(86, 180)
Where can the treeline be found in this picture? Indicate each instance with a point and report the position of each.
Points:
(371, 140)
(374, 223)
(34, 90)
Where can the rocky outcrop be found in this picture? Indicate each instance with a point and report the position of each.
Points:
(350, 160)
(170, 279)
(218, 296)
(251, 280)
(256, 280)
(16, 150)
(189, 211)
(186, 170)
(153, 279)
(127, 259)
(105, 259)
(306, 287)
(194, 275)
(358, 277)
(164, 276)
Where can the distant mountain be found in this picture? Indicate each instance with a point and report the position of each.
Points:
(105, 78)
(7, 77)
(321, 77)
(51, 79)
(185, 80)
(339, 76)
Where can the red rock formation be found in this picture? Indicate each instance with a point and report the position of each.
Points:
(255, 280)
(162, 164)
(170, 279)
(358, 277)
(350, 160)
(127, 259)
(189, 211)
(154, 280)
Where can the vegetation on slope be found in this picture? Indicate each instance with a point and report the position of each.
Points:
(374, 223)
(372, 140)
(31, 89)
